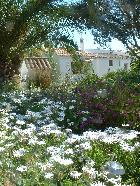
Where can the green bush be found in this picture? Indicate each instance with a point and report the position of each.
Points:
(35, 151)
(100, 102)
(124, 78)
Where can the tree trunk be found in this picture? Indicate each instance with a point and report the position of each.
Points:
(9, 68)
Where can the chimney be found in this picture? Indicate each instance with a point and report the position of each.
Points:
(81, 44)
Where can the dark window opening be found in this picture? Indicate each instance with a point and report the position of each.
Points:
(110, 62)
(119, 63)
(125, 66)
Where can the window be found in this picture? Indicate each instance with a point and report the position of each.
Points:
(119, 63)
(125, 66)
(110, 62)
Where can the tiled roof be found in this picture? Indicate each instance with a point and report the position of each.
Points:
(63, 52)
(86, 54)
(89, 55)
(113, 55)
(37, 63)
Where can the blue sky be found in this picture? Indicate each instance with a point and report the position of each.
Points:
(90, 44)
(89, 40)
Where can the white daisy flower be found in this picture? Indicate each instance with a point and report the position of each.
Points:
(75, 174)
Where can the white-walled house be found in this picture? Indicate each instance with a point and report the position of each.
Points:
(109, 61)
(100, 61)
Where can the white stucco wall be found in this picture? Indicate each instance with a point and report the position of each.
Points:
(65, 65)
(23, 71)
(101, 65)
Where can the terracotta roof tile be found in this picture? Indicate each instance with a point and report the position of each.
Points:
(37, 63)
(63, 52)
(89, 55)
(86, 54)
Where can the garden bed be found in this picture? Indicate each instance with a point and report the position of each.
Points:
(35, 150)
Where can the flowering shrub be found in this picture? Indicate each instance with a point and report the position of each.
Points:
(34, 150)
(96, 104)
(126, 85)
(91, 106)
(123, 77)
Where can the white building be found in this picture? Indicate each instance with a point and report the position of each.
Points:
(100, 61)
(35, 68)
(106, 61)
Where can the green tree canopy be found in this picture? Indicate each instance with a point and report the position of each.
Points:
(25, 24)
(112, 19)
